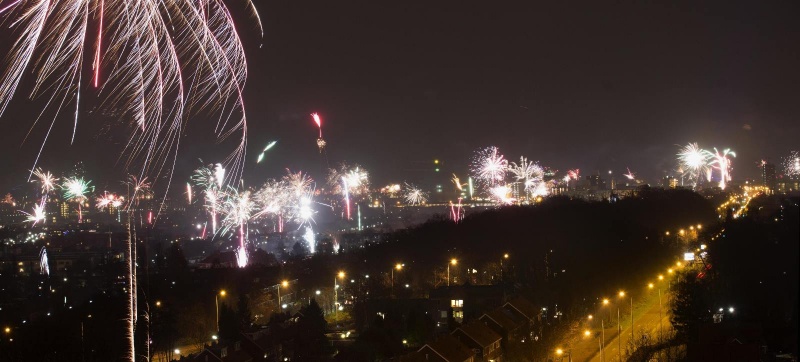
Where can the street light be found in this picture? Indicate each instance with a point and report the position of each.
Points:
(282, 284)
(221, 293)
(505, 256)
(560, 353)
(453, 262)
(336, 289)
(397, 266)
(619, 326)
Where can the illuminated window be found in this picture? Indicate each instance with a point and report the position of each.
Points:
(456, 303)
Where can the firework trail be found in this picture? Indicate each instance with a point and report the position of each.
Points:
(44, 264)
(210, 179)
(264, 152)
(414, 195)
(630, 175)
(791, 165)
(695, 161)
(320, 142)
(189, 193)
(349, 181)
(456, 212)
(308, 236)
(489, 166)
(458, 184)
(75, 190)
(154, 64)
(721, 162)
(238, 208)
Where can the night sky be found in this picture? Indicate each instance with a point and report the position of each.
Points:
(581, 85)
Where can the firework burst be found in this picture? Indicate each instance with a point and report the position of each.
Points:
(414, 195)
(350, 182)
(76, 190)
(37, 214)
(530, 175)
(489, 166)
(695, 161)
(791, 165)
(238, 208)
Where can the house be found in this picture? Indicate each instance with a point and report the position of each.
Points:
(483, 341)
(525, 310)
(264, 345)
(445, 348)
(505, 323)
(215, 353)
(466, 301)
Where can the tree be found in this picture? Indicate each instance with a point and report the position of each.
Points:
(243, 315)
(228, 324)
(310, 341)
(689, 305)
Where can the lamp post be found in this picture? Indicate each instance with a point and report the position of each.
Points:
(282, 284)
(336, 291)
(397, 266)
(505, 256)
(453, 262)
(221, 293)
(619, 329)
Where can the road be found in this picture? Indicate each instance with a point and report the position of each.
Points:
(646, 322)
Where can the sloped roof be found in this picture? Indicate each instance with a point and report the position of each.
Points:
(524, 307)
(480, 333)
(449, 348)
(418, 356)
(503, 318)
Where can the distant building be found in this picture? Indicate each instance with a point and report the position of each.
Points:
(768, 177)
(596, 182)
(669, 182)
